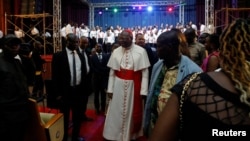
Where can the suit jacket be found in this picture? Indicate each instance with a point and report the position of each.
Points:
(186, 67)
(61, 76)
(152, 58)
(88, 86)
(100, 70)
(13, 92)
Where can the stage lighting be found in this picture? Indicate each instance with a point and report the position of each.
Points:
(115, 10)
(150, 8)
(170, 9)
(100, 12)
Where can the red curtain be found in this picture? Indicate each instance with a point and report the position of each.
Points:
(75, 12)
(10, 7)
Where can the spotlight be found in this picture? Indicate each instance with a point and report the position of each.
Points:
(115, 10)
(100, 12)
(170, 9)
(150, 8)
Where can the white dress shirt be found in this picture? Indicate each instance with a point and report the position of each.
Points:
(78, 66)
(86, 60)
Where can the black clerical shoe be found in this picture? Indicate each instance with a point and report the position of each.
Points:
(79, 139)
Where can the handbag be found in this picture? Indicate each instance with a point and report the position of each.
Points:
(187, 84)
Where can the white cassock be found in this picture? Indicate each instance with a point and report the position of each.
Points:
(119, 122)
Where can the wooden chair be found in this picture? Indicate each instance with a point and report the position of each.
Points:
(44, 126)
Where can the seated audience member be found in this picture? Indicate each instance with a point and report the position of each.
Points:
(169, 70)
(211, 62)
(215, 103)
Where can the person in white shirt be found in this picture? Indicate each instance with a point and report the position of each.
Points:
(93, 33)
(100, 36)
(152, 39)
(19, 33)
(63, 31)
(84, 31)
(1, 34)
(109, 39)
(202, 28)
(117, 32)
(68, 29)
(34, 31)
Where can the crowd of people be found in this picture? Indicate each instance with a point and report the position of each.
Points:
(181, 86)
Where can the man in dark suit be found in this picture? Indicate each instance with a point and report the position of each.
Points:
(14, 115)
(82, 49)
(69, 81)
(100, 77)
(39, 61)
(152, 56)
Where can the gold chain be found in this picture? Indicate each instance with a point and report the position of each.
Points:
(187, 84)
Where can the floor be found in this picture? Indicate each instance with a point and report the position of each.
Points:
(90, 106)
(91, 102)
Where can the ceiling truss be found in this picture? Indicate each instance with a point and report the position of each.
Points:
(93, 6)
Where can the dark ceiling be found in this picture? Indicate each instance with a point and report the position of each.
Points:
(75, 2)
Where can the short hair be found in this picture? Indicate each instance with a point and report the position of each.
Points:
(169, 39)
(202, 37)
(190, 35)
(25, 49)
(214, 39)
(138, 34)
(183, 42)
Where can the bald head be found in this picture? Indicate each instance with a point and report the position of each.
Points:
(72, 41)
(84, 42)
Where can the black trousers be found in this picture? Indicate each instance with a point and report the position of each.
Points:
(99, 86)
(100, 93)
(73, 104)
(38, 85)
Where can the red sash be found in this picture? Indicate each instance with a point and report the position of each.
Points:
(136, 76)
